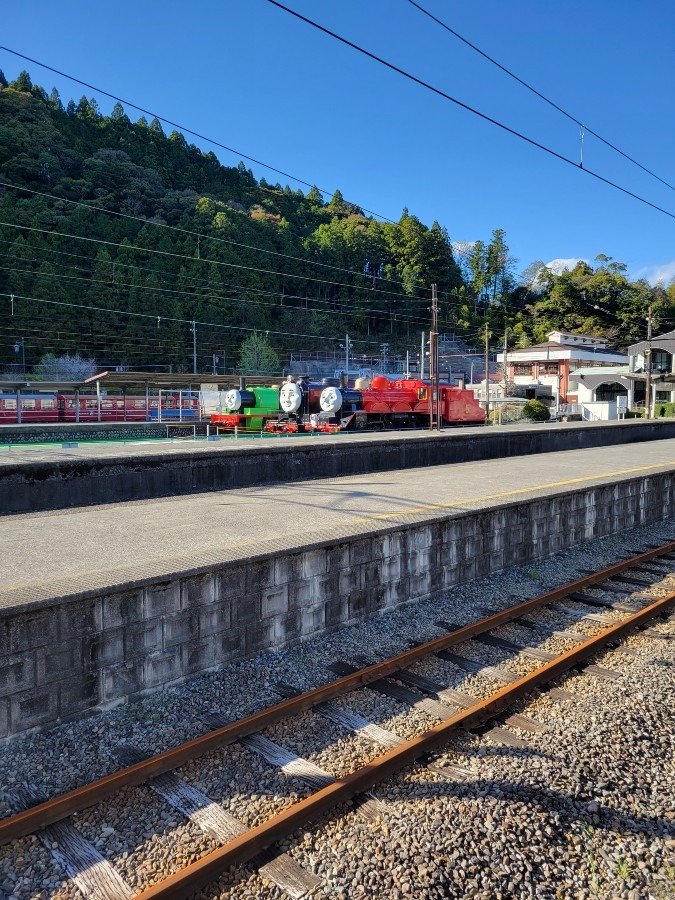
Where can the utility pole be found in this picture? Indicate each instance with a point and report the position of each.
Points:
(347, 356)
(434, 400)
(21, 343)
(648, 365)
(422, 358)
(487, 375)
(506, 357)
(194, 347)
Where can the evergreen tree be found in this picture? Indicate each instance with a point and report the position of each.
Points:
(315, 196)
(55, 100)
(257, 356)
(117, 114)
(156, 127)
(22, 83)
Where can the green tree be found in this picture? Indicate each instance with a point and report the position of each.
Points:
(22, 82)
(55, 100)
(315, 196)
(258, 357)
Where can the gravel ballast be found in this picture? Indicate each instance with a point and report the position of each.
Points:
(585, 810)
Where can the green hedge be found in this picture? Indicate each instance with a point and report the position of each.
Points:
(536, 411)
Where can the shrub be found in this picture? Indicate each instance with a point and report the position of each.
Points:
(659, 410)
(536, 411)
(669, 411)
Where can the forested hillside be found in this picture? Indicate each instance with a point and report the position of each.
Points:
(115, 236)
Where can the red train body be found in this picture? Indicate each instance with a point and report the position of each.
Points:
(45, 408)
(402, 403)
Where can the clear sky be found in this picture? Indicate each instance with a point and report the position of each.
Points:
(250, 76)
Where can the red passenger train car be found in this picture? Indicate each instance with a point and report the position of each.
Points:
(44, 408)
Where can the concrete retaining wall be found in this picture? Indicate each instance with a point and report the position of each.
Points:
(84, 431)
(59, 660)
(35, 486)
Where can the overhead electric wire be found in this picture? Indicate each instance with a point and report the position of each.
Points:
(205, 298)
(541, 96)
(193, 259)
(227, 287)
(200, 235)
(196, 134)
(468, 108)
(122, 312)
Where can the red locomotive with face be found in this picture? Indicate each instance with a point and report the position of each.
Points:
(403, 403)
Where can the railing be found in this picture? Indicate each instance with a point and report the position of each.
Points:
(588, 416)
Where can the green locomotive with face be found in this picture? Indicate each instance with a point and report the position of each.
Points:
(248, 409)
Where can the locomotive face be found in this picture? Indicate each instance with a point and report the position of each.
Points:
(290, 397)
(233, 400)
(330, 400)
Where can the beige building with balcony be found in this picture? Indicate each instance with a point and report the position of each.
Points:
(547, 369)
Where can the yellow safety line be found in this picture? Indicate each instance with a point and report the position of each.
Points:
(525, 490)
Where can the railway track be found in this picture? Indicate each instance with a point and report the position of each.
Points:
(578, 620)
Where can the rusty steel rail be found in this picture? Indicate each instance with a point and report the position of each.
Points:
(197, 875)
(64, 805)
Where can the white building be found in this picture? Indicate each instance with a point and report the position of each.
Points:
(546, 369)
(602, 394)
(652, 362)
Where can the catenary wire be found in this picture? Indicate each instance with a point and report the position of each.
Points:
(470, 109)
(193, 259)
(541, 96)
(213, 293)
(200, 235)
(121, 312)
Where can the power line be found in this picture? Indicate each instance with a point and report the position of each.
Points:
(180, 127)
(122, 312)
(470, 109)
(199, 235)
(212, 297)
(541, 96)
(212, 293)
(193, 259)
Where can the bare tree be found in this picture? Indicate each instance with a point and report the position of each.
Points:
(63, 368)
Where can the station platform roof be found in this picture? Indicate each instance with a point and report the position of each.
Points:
(139, 380)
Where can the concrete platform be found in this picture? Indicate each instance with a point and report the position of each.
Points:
(34, 479)
(63, 552)
(100, 605)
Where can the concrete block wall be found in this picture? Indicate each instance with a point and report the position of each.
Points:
(60, 660)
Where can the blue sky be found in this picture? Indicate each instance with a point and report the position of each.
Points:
(251, 76)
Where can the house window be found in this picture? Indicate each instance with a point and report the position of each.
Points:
(548, 368)
(522, 369)
(663, 396)
(661, 361)
(610, 391)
